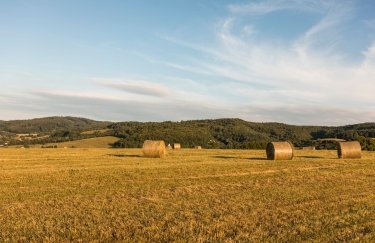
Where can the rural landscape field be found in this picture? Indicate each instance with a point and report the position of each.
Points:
(100, 194)
(187, 121)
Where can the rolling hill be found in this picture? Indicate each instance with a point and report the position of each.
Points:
(219, 133)
(49, 125)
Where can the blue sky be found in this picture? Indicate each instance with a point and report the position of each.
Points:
(292, 61)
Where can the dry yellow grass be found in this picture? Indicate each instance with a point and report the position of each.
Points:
(56, 195)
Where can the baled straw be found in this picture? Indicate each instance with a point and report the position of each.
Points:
(349, 150)
(154, 149)
(176, 146)
(279, 151)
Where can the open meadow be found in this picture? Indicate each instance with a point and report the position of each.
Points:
(191, 195)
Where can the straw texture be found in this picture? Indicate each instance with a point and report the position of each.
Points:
(349, 150)
(176, 146)
(154, 149)
(279, 151)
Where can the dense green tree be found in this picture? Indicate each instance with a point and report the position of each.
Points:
(219, 133)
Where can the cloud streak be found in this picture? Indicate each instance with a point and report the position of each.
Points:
(140, 87)
(269, 6)
(98, 106)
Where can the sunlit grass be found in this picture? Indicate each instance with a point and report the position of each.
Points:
(191, 195)
(97, 142)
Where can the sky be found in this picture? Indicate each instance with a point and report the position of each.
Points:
(308, 62)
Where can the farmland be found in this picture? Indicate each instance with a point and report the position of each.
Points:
(98, 142)
(85, 194)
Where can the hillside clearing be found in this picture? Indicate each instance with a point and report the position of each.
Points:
(191, 195)
(98, 142)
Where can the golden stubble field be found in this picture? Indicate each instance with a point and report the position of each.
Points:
(192, 195)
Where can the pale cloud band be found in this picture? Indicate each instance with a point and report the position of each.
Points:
(140, 87)
(269, 6)
(97, 106)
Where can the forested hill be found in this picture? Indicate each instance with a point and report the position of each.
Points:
(236, 133)
(219, 133)
(49, 125)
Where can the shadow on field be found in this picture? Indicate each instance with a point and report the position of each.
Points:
(257, 158)
(234, 157)
(125, 155)
(224, 157)
(310, 157)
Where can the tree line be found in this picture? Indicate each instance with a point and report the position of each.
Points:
(219, 133)
(238, 134)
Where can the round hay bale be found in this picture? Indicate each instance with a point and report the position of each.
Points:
(176, 146)
(349, 150)
(198, 147)
(279, 151)
(169, 146)
(154, 149)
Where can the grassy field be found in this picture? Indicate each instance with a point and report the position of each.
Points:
(192, 195)
(98, 142)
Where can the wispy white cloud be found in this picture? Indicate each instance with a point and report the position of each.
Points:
(307, 114)
(370, 53)
(248, 30)
(140, 87)
(326, 33)
(269, 6)
(95, 105)
(309, 71)
(87, 95)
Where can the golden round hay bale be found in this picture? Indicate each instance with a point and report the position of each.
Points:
(280, 151)
(176, 146)
(198, 147)
(349, 150)
(154, 149)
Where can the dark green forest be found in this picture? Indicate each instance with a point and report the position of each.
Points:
(219, 133)
(50, 124)
(238, 134)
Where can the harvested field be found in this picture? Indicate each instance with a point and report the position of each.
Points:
(191, 195)
(99, 142)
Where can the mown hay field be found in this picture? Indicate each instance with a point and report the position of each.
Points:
(97, 142)
(57, 195)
